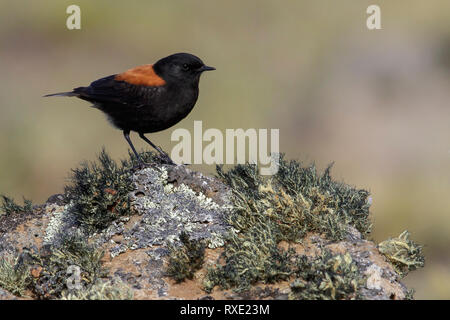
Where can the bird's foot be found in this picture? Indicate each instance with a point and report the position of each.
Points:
(165, 159)
(139, 166)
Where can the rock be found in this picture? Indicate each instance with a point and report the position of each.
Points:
(142, 250)
(5, 295)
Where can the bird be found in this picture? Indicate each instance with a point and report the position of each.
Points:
(148, 98)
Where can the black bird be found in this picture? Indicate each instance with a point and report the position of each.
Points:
(148, 98)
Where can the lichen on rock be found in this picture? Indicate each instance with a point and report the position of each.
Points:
(167, 232)
(168, 210)
(404, 254)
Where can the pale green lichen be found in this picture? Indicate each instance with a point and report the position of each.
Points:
(56, 222)
(200, 198)
(374, 275)
(327, 276)
(114, 289)
(13, 277)
(285, 207)
(217, 240)
(168, 209)
(54, 263)
(404, 254)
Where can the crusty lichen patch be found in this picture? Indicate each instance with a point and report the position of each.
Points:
(169, 210)
(60, 221)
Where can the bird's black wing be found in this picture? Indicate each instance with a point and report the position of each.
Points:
(110, 91)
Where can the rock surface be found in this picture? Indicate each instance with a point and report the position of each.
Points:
(169, 201)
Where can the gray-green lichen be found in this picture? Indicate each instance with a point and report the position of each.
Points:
(404, 254)
(286, 207)
(9, 206)
(98, 192)
(186, 259)
(12, 278)
(114, 289)
(169, 210)
(327, 276)
(62, 222)
(56, 266)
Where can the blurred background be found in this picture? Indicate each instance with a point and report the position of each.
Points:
(375, 102)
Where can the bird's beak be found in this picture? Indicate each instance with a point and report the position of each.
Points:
(206, 68)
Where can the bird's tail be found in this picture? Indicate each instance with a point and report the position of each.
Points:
(62, 94)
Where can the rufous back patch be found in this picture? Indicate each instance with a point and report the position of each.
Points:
(142, 75)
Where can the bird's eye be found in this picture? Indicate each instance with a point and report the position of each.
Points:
(185, 67)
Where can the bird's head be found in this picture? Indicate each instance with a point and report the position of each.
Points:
(181, 67)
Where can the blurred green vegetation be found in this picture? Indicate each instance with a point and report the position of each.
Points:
(375, 102)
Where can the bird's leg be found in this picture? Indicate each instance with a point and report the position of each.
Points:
(126, 134)
(163, 155)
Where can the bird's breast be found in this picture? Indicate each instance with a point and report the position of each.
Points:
(164, 108)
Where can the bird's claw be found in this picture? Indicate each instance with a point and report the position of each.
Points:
(165, 159)
(139, 166)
